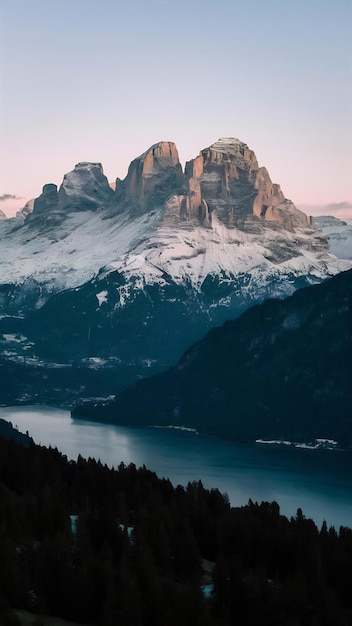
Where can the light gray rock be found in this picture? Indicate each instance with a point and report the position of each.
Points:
(86, 187)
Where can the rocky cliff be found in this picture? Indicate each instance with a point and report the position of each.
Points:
(225, 178)
(151, 179)
(85, 188)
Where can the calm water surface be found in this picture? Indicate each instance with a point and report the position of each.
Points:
(318, 481)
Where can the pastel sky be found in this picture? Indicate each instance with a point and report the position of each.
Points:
(85, 80)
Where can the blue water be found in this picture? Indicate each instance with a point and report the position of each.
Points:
(317, 481)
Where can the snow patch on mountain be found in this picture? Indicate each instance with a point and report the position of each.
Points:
(102, 296)
(338, 233)
(189, 256)
(146, 248)
(223, 219)
(70, 255)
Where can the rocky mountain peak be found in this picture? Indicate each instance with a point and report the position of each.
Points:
(85, 187)
(151, 178)
(230, 151)
(2, 215)
(225, 178)
(46, 205)
(161, 154)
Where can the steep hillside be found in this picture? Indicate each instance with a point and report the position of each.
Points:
(94, 545)
(283, 370)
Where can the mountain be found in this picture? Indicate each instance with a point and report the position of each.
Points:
(282, 370)
(338, 233)
(100, 286)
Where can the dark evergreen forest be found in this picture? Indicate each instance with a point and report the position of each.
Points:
(103, 546)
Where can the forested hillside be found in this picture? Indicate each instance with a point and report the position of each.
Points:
(283, 370)
(103, 546)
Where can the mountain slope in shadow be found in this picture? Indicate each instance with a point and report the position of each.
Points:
(282, 370)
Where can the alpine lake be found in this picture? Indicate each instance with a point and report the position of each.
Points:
(319, 481)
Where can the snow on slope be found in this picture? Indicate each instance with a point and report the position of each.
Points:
(72, 254)
(69, 236)
(338, 234)
(85, 242)
(189, 256)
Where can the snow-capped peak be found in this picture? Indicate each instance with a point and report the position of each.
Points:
(222, 217)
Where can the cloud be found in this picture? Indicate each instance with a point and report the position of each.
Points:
(339, 206)
(9, 196)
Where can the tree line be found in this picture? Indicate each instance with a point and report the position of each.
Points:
(104, 546)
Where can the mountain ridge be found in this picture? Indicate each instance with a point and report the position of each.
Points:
(126, 280)
(74, 232)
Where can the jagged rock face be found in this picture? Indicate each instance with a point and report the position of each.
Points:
(85, 187)
(151, 178)
(226, 178)
(2, 215)
(45, 210)
(47, 201)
